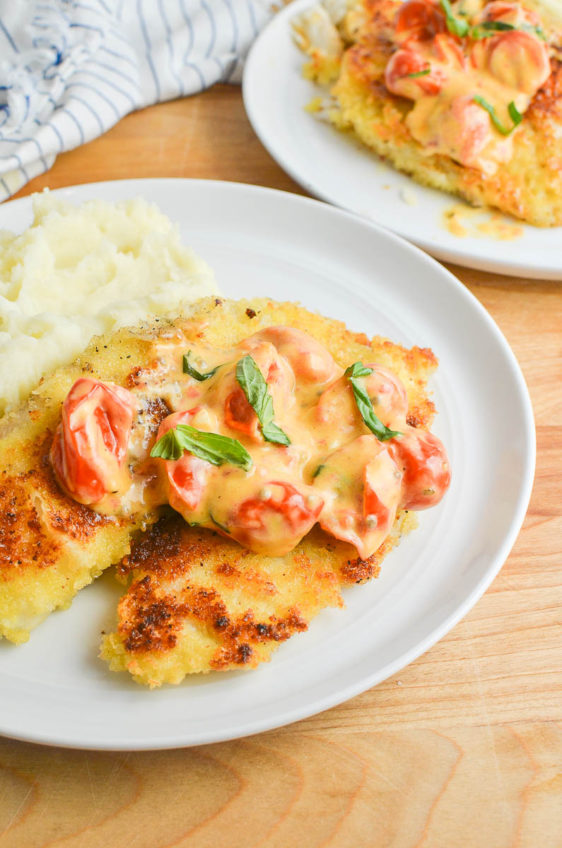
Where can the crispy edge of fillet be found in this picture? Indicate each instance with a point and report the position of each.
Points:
(197, 602)
(529, 186)
(51, 546)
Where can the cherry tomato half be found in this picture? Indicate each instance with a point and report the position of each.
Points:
(517, 59)
(419, 19)
(90, 444)
(309, 359)
(188, 475)
(275, 520)
(423, 460)
(405, 62)
(239, 415)
(510, 13)
(362, 486)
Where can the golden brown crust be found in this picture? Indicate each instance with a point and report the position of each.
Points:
(26, 535)
(151, 618)
(184, 577)
(54, 546)
(198, 601)
(51, 546)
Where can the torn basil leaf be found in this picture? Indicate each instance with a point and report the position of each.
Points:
(514, 114)
(211, 447)
(455, 25)
(364, 404)
(253, 384)
(193, 372)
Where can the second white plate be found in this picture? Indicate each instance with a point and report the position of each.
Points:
(266, 243)
(336, 168)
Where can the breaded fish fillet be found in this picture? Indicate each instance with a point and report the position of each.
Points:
(198, 602)
(51, 546)
(528, 185)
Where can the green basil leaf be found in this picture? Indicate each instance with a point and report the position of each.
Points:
(272, 433)
(487, 28)
(455, 25)
(477, 33)
(516, 117)
(211, 447)
(218, 524)
(514, 114)
(197, 375)
(358, 370)
(498, 26)
(364, 404)
(168, 447)
(253, 384)
(423, 73)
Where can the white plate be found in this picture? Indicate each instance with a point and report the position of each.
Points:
(335, 167)
(263, 242)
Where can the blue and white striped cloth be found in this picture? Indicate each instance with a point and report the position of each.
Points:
(70, 69)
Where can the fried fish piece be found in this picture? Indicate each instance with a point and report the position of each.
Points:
(528, 185)
(198, 602)
(51, 546)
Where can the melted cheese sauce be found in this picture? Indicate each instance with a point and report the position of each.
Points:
(463, 221)
(334, 470)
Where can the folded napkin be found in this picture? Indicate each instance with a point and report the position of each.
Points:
(70, 69)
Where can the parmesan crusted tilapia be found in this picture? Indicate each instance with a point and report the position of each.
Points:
(352, 51)
(51, 546)
(198, 602)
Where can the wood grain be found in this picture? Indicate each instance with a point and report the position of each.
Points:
(462, 749)
(460, 788)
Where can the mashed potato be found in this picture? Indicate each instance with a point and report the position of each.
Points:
(82, 271)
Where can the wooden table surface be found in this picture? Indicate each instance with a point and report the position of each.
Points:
(462, 749)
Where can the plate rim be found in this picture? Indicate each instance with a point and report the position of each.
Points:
(365, 682)
(456, 255)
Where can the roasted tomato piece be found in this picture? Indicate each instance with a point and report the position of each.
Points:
(276, 519)
(239, 415)
(387, 394)
(275, 368)
(361, 485)
(398, 79)
(419, 19)
(308, 358)
(337, 406)
(434, 62)
(188, 475)
(90, 444)
(462, 128)
(517, 59)
(423, 461)
(187, 478)
(448, 51)
(509, 13)
(337, 409)
(472, 127)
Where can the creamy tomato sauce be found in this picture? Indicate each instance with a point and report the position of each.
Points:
(333, 470)
(502, 59)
